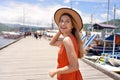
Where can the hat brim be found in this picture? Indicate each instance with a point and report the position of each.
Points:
(73, 13)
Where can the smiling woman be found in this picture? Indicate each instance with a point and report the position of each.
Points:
(69, 23)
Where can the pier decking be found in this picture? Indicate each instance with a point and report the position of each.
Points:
(31, 59)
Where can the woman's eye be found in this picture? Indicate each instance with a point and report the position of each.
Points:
(61, 20)
(67, 21)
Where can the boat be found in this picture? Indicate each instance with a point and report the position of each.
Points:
(108, 42)
(106, 53)
(11, 35)
(50, 33)
(110, 64)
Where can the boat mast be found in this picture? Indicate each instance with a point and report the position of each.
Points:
(113, 52)
(108, 11)
(52, 25)
(23, 20)
(91, 21)
(114, 14)
(71, 4)
(106, 29)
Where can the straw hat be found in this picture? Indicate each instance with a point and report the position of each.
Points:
(73, 13)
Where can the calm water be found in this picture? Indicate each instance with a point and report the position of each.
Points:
(4, 42)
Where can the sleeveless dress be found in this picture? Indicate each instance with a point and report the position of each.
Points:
(63, 61)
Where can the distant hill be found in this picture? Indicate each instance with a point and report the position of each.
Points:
(117, 23)
(19, 27)
(3, 27)
(13, 27)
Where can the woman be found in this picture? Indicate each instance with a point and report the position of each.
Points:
(69, 23)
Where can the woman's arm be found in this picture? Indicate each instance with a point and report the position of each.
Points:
(55, 40)
(72, 58)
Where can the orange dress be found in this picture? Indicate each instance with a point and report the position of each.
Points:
(63, 61)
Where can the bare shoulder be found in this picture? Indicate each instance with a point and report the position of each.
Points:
(67, 40)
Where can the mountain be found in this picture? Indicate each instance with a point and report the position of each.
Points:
(3, 27)
(117, 23)
(19, 27)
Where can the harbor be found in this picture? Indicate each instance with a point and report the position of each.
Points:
(31, 59)
(26, 28)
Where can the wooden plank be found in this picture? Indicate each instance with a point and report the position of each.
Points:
(31, 59)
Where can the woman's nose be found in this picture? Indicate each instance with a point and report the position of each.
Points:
(63, 23)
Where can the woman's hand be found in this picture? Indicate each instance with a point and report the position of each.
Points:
(55, 41)
(52, 73)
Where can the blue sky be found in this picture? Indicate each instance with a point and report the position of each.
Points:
(40, 12)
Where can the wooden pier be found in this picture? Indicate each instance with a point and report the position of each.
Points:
(31, 59)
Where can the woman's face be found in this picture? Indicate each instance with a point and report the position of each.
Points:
(65, 24)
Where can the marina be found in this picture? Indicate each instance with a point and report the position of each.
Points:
(31, 59)
(25, 33)
(105, 53)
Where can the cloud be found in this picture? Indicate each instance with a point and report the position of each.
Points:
(40, 0)
(31, 14)
(104, 16)
(87, 19)
(67, 1)
(95, 0)
(28, 14)
(118, 13)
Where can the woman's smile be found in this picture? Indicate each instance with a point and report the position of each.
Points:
(62, 27)
(65, 24)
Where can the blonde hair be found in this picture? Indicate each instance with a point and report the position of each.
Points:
(80, 46)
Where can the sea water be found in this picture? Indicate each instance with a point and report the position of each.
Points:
(4, 42)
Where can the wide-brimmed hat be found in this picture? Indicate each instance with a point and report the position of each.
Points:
(78, 25)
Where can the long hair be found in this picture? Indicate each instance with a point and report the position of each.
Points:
(76, 33)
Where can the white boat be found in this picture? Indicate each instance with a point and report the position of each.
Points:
(50, 33)
(105, 63)
(11, 35)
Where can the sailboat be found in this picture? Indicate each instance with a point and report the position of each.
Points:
(107, 49)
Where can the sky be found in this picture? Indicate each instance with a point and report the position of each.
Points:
(41, 12)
